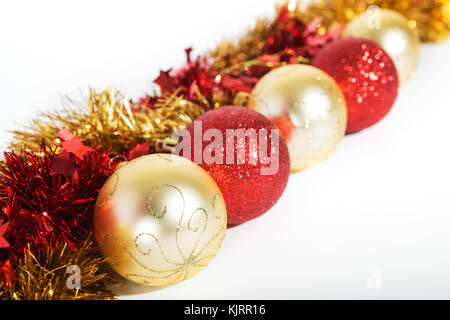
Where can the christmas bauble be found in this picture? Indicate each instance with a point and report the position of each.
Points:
(393, 33)
(245, 154)
(366, 75)
(308, 107)
(159, 220)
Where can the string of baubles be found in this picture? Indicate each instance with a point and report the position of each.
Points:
(161, 218)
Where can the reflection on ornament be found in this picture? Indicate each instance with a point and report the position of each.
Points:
(250, 162)
(366, 75)
(159, 220)
(394, 34)
(308, 107)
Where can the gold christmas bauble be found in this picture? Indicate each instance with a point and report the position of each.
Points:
(393, 32)
(309, 109)
(159, 220)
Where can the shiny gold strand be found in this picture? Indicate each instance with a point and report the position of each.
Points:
(161, 220)
(41, 275)
(106, 120)
(308, 107)
(393, 33)
(431, 17)
(229, 54)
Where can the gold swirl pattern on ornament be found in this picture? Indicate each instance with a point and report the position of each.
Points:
(224, 224)
(125, 248)
(214, 204)
(149, 200)
(116, 183)
(134, 161)
(173, 158)
(146, 253)
(177, 241)
(165, 211)
(166, 157)
(203, 211)
(189, 227)
(177, 279)
(179, 270)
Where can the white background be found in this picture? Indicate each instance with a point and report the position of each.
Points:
(379, 203)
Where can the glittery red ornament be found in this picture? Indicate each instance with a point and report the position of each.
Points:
(247, 191)
(366, 75)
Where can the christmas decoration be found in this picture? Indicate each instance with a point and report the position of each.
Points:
(106, 120)
(309, 109)
(286, 39)
(250, 168)
(326, 18)
(391, 31)
(49, 183)
(159, 220)
(42, 206)
(366, 76)
(432, 17)
(44, 274)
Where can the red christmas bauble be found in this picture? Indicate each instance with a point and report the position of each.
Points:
(249, 190)
(366, 75)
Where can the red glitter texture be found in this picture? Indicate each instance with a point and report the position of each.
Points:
(40, 206)
(247, 193)
(367, 77)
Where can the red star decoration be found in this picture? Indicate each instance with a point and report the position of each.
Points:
(64, 134)
(66, 162)
(165, 81)
(63, 164)
(76, 147)
(139, 150)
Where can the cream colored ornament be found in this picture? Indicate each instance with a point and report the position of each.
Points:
(309, 109)
(393, 32)
(159, 220)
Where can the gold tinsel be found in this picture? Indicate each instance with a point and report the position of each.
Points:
(247, 48)
(106, 120)
(41, 275)
(430, 17)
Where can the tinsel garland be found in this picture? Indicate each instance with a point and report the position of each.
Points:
(45, 197)
(431, 17)
(46, 201)
(42, 274)
(108, 121)
(49, 184)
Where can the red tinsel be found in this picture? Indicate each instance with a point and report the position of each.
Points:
(289, 33)
(46, 197)
(288, 40)
(40, 205)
